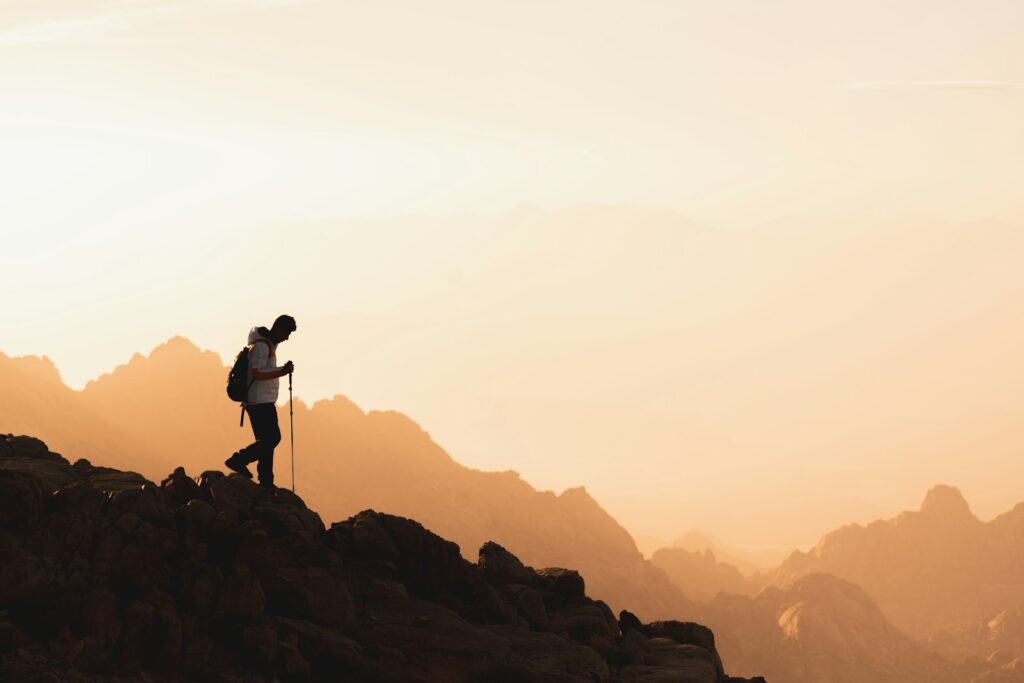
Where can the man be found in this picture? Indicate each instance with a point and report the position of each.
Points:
(261, 404)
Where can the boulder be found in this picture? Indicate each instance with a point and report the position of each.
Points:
(501, 567)
(21, 499)
(565, 583)
(179, 489)
(531, 604)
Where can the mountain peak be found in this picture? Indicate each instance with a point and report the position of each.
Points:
(945, 501)
(39, 368)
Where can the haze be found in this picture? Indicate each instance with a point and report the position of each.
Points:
(750, 268)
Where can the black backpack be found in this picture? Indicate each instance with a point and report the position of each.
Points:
(238, 377)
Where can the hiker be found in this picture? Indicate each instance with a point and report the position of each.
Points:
(262, 398)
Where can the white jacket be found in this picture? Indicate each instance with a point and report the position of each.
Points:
(262, 356)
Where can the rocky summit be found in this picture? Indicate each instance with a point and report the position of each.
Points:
(105, 575)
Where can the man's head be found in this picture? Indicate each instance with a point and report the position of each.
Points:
(282, 328)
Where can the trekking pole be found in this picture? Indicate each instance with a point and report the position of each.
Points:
(291, 428)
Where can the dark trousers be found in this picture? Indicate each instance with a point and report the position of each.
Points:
(263, 418)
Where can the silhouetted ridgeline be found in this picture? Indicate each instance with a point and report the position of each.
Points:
(105, 573)
(348, 460)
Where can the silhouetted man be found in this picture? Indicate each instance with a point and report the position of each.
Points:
(262, 400)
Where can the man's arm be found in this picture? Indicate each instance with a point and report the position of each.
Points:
(259, 363)
(271, 374)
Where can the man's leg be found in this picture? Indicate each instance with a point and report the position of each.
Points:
(263, 418)
(269, 438)
(238, 460)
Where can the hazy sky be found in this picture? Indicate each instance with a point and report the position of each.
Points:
(193, 167)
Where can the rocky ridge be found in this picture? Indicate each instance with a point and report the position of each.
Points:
(350, 460)
(106, 574)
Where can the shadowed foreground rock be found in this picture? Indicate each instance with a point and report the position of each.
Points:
(105, 574)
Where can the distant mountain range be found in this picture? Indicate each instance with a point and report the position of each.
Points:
(931, 595)
(749, 562)
(935, 569)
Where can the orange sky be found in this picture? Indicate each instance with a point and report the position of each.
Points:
(816, 318)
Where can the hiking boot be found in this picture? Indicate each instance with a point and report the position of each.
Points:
(236, 465)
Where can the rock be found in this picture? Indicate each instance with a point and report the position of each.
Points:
(279, 520)
(687, 633)
(21, 499)
(194, 517)
(531, 604)
(138, 631)
(233, 496)
(628, 622)
(7, 634)
(290, 660)
(241, 596)
(286, 497)
(501, 567)
(79, 498)
(580, 623)
(364, 538)
(49, 475)
(670, 662)
(168, 640)
(118, 481)
(100, 618)
(683, 632)
(261, 642)
(321, 644)
(144, 500)
(179, 489)
(30, 447)
(565, 583)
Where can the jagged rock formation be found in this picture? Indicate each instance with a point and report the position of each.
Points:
(105, 573)
(936, 569)
(349, 460)
(699, 574)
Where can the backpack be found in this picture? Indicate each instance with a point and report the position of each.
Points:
(238, 377)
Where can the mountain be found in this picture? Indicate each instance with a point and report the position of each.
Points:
(935, 569)
(749, 562)
(106, 574)
(168, 409)
(820, 629)
(999, 639)
(699, 575)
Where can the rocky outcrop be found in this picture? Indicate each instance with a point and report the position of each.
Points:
(105, 574)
